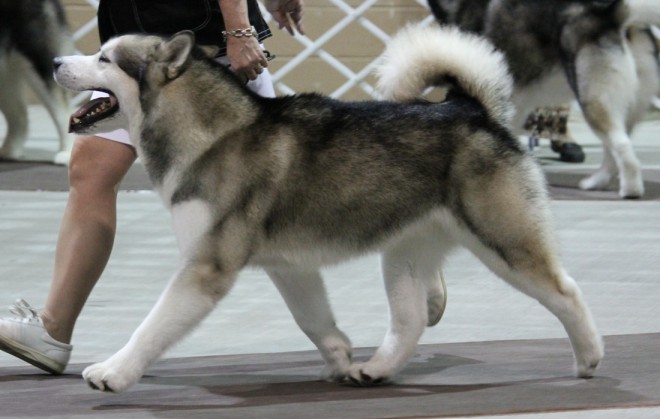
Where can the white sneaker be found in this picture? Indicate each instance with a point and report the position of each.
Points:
(25, 337)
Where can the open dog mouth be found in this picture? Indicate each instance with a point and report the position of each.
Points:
(93, 111)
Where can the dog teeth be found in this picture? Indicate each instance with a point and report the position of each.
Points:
(96, 108)
(102, 107)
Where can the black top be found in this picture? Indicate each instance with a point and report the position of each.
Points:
(166, 17)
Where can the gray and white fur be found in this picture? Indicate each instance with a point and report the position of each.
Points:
(293, 184)
(598, 52)
(32, 33)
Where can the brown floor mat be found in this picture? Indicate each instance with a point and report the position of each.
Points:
(501, 377)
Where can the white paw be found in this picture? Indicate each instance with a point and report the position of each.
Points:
(105, 376)
(337, 353)
(597, 181)
(9, 153)
(370, 374)
(62, 158)
(334, 373)
(337, 369)
(631, 189)
(635, 193)
(587, 370)
(587, 363)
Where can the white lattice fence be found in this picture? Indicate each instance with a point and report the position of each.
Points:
(316, 47)
(321, 54)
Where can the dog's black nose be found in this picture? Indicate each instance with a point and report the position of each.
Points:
(57, 61)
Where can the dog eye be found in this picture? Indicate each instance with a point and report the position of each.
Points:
(103, 59)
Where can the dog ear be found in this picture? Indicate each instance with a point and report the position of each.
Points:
(175, 53)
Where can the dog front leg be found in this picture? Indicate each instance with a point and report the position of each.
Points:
(305, 295)
(191, 295)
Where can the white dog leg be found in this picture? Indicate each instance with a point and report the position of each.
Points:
(534, 271)
(571, 310)
(603, 177)
(606, 101)
(564, 300)
(305, 295)
(190, 296)
(405, 283)
(619, 158)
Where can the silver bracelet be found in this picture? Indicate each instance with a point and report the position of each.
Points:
(239, 33)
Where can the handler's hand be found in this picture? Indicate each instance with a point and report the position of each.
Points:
(246, 57)
(285, 12)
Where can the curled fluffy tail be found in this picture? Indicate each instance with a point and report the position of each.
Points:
(643, 12)
(420, 57)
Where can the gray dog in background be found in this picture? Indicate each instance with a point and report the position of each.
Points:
(32, 33)
(598, 52)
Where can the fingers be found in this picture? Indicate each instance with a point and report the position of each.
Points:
(258, 69)
(246, 58)
(251, 72)
(257, 66)
(282, 21)
(296, 16)
(289, 14)
(285, 21)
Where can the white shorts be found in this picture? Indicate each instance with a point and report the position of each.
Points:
(263, 86)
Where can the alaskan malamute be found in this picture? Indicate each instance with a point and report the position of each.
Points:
(32, 33)
(295, 183)
(599, 52)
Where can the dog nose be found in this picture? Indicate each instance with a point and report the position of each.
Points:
(57, 62)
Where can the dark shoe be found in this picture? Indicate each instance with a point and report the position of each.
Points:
(570, 153)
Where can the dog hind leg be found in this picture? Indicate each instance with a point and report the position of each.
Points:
(306, 297)
(517, 245)
(416, 296)
(644, 50)
(559, 293)
(606, 100)
(619, 158)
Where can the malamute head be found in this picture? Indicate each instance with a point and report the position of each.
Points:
(118, 69)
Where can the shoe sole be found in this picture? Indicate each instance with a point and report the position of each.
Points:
(31, 356)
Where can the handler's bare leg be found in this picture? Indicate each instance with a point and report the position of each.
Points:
(87, 231)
